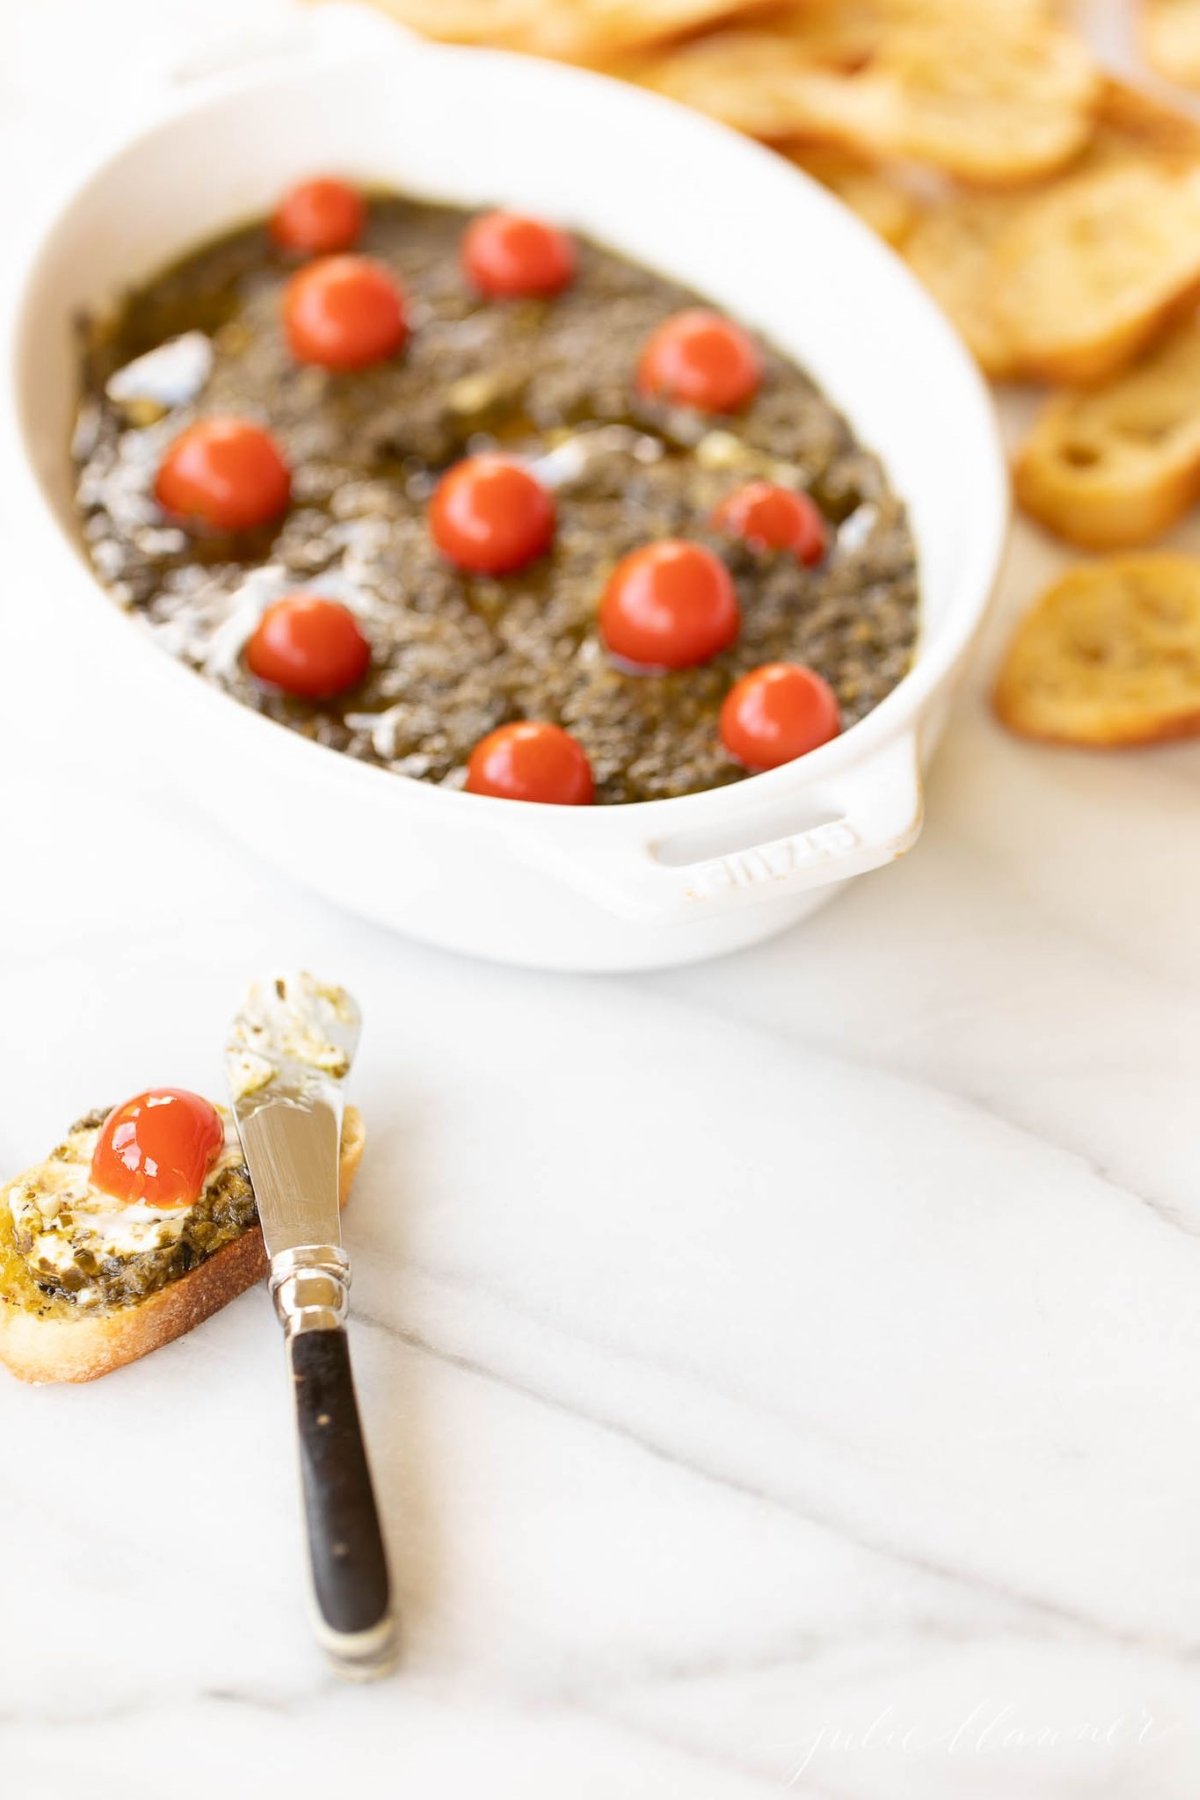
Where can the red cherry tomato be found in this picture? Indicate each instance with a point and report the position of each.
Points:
(158, 1148)
(774, 518)
(510, 257)
(669, 605)
(776, 713)
(697, 358)
(490, 515)
(224, 473)
(531, 761)
(318, 217)
(309, 646)
(345, 313)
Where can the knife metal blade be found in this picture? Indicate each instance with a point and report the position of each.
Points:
(287, 1057)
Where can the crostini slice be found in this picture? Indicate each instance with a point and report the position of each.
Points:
(1113, 467)
(1170, 39)
(1069, 281)
(1108, 656)
(81, 1301)
(990, 93)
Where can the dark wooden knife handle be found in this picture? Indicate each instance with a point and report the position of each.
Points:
(349, 1564)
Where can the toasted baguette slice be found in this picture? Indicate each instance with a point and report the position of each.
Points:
(1088, 278)
(951, 249)
(1170, 35)
(43, 1338)
(1112, 468)
(880, 199)
(1131, 120)
(990, 93)
(1069, 281)
(572, 29)
(1109, 656)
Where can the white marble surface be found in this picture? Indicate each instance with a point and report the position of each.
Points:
(781, 1374)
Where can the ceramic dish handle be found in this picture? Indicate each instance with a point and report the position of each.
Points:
(875, 814)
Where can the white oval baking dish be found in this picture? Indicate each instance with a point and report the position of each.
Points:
(591, 888)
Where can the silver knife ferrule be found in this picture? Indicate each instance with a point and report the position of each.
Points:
(310, 1286)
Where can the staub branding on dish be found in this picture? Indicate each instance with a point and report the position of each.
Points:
(771, 862)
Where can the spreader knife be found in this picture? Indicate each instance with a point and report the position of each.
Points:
(288, 1055)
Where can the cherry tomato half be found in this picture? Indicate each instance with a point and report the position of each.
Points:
(698, 358)
(309, 646)
(532, 760)
(318, 217)
(774, 518)
(669, 605)
(158, 1148)
(224, 473)
(345, 313)
(491, 515)
(510, 257)
(776, 713)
